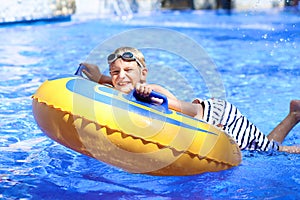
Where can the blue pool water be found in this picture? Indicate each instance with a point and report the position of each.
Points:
(257, 55)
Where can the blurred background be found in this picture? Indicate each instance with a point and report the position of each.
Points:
(32, 10)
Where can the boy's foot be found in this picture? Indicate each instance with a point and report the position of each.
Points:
(295, 109)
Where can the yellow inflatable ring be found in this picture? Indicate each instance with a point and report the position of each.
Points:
(136, 136)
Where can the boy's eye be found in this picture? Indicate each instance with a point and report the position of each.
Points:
(115, 72)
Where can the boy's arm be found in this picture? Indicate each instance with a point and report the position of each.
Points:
(162, 90)
(175, 104)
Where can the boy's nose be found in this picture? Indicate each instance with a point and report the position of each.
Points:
(122, 73)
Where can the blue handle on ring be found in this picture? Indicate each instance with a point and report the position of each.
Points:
(154, 94)
(79, 70)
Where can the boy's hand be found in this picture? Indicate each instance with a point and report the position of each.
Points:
(144, 91)
(92, 72)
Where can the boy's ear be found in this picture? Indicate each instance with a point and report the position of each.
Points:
(144, 73)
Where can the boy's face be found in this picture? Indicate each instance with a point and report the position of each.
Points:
(126, 74)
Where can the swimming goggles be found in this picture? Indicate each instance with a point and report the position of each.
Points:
(127, 56)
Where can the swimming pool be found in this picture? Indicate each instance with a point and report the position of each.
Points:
(257, 55)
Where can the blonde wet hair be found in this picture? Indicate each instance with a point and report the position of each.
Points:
(137, 53)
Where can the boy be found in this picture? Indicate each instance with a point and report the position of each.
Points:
(128, 72)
